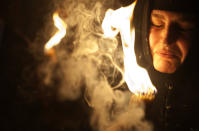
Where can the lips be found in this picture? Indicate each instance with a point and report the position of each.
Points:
(167, 54)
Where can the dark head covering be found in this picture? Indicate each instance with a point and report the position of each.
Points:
(141, 23)
(183, 82)
(182, 6)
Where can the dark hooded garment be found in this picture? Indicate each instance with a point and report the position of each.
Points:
(175, 107)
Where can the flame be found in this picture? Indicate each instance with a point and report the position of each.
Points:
(136, 77)
(56, 38)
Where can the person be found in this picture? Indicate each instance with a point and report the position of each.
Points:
(166, 45)
(169, 39)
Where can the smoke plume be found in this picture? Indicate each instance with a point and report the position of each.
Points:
(86, 65)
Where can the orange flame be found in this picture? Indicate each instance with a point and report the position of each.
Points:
(136, 77)
(56, 38)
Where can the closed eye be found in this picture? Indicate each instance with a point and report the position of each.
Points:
(157, 25)
(184, 29)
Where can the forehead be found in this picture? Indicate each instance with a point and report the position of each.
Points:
(170, 15)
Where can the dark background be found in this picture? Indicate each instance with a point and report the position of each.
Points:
(26, 103)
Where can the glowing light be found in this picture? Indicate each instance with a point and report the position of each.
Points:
(56, 38)
(136, 77)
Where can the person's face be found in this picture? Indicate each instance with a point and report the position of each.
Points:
(169, 39)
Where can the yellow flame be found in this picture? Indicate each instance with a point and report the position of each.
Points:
(136, 77)
(56, 38)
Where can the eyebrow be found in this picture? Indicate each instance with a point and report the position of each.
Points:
(157, 16)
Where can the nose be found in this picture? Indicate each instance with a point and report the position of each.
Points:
(170, 34)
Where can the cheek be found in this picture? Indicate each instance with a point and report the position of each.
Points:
(184, 47)
(153, 40)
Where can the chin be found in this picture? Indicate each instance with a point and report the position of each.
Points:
(165, 66)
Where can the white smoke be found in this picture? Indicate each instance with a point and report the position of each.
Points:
(85, 65)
